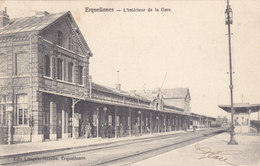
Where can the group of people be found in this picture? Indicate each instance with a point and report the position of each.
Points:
(106, 131)
(87, 130)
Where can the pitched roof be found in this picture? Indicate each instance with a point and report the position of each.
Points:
(148, 94)
(117, 92)
(39, 22)
(166, 93)
(175, 93)
(32, 23)
(241, 107)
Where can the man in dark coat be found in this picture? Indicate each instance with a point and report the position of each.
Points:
(102, 130)
(110, 130)
(105, 129)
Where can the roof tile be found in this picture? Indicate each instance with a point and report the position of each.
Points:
(32, 23)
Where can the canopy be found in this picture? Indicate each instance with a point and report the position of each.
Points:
(241, 107)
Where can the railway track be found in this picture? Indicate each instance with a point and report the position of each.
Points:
(166, 143)
(130, 159)
(10, 160)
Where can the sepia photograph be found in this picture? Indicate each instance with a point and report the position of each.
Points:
(128, 82)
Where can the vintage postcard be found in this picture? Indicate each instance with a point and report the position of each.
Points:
(129, 82)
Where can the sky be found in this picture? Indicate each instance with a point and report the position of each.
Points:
(189, 43)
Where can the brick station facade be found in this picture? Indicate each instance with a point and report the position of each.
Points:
(47, 94)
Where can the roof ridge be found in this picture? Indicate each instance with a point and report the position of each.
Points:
(36, 16)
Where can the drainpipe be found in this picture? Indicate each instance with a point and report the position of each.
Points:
(13, 108)
(90, 86)
(97, 122)
(74, 102)
(31, 91)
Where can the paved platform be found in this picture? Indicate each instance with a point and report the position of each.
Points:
(212, 151)
(39, 147)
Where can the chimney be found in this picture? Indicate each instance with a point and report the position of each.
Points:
(4, 18)
(118, 85)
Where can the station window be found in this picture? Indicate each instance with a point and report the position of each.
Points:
(3, 115)
(71, 43)
(22, 109)
(47, 65)
(60, 38)
(70, 71)
(3, 64)
(59, 69)
(21, 63)
(80, 74)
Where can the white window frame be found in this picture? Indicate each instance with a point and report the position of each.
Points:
(3, 112)
(24, 107)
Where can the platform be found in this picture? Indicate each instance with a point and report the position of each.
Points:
(212, 151)
(63, 144)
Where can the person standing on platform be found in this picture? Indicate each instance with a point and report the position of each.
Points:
(92, 129)
(110, 130)
(82, 129)
(136, 129)
(105, 131)
(88, 130)
(121, 130)
(102, 130)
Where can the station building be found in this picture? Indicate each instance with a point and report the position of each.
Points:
(47, 93)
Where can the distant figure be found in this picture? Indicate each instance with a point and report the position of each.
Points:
(185, 126)
(105, 127)
(194, 128)
(82, 129)
(103, 130)
(121, 130)
(88, 130)
(110, 130)
(92, 129)
(136, 129)
(147, 128)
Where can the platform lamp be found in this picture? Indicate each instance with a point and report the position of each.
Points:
(229, 21)
(97, 121)
(105, 113)
(105, 109)
(157, 117)
(9, 110)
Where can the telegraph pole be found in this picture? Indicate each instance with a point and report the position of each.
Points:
(229, 21)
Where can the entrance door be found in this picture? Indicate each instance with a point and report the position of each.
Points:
(46, 126)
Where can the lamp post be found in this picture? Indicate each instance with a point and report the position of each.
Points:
(229, 21)
(97, 122)
(9, 111)
(140, 113)
(157, 117)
